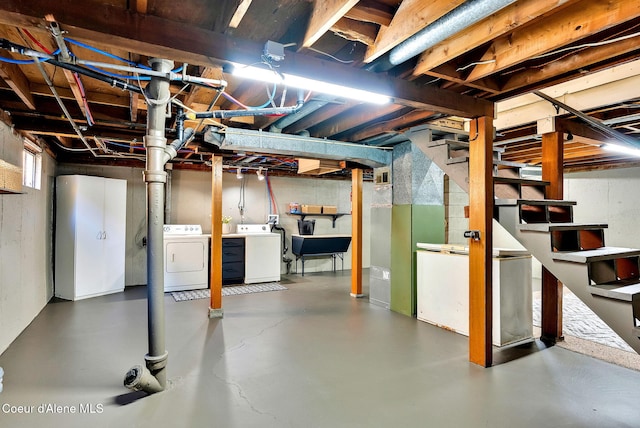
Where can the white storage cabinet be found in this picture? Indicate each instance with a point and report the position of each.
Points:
(90, 236)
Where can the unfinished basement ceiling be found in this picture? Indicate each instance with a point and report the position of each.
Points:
(525, 45)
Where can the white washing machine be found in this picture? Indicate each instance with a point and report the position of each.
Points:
(186, 257)
(262, 253)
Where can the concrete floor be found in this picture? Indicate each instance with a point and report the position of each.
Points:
(310, 356)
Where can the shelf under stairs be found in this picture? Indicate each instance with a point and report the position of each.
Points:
(606, 279)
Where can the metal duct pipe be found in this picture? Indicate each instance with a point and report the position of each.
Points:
(222, 114)
(465, 15)
(609, 132)
(308, 108)
(158, 96)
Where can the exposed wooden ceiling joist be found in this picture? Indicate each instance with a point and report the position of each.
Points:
(570, 24)
(411, 17)
(363, 32)
(352, 118)
(324, 15)
(498, 24)
(15, 78)
(239, 13)
(587, 59)
(367, 11)
(197, 46)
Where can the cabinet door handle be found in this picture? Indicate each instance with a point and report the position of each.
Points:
(173, 257)
(99, 235)
(104, 235)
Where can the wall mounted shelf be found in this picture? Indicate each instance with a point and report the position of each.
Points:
(334, 217)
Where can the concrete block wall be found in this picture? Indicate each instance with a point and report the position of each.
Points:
(608, 196)
(26, 279)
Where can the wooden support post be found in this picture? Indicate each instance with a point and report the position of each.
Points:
(480, 250)
(356, 232)
(215, 307)
(553, 172)
(553, 163)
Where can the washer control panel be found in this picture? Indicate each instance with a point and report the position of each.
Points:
(253, 228)
(182, 229)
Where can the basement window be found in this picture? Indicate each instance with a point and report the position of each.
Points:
(31, 165)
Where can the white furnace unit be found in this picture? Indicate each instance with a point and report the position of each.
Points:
(262, 253)
(186, 257)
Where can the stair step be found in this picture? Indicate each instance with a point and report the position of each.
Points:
(628, 293)
(541, 202)
(552, 227)
(588, 256)
(457, 159)
(509, 164)
(520, 181)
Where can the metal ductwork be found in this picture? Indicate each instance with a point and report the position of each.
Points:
(295, 146)
(465, 15)
(308, 108)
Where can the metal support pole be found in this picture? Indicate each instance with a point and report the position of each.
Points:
(154, 378)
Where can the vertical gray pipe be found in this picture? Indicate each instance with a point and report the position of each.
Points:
(154, 378)
(155, 177)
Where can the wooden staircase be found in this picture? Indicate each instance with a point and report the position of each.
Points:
(606, 279)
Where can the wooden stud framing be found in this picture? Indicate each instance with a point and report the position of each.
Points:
(356, 232)
(215, 307)
(552, 171)
(480, 251)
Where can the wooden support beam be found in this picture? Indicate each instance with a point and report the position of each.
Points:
(502, 22)
(571, 24)
(133, 106)
(412, 16)
(552, 163)
(363, 32)
(480, 251)
(356, 232)
(239, 13)
(552, 171)
(377, 14)
(138, 6)
(215, 307)
(325, 14)
(15, 78)
(399, 124)
(99, 98)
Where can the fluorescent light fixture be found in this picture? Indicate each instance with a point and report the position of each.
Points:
(259, 174)
(271, 76)
(621, 149)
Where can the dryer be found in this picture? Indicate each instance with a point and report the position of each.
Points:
(186, 257)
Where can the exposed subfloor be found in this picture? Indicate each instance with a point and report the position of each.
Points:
(310, 356)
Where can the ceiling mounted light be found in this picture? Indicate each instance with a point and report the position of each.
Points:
(273, 76)
(621, 149)
(259, 174)
(239, 175)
